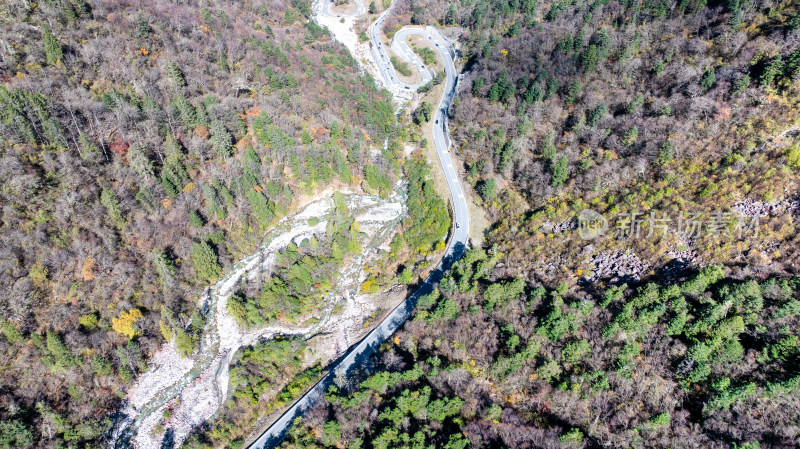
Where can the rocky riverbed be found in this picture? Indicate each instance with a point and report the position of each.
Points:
(194, 388)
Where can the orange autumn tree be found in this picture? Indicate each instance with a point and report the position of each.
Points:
(88, 270)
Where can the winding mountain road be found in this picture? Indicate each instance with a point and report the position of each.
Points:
(459, 235)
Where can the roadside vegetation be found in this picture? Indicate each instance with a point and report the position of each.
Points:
(254, 374)
(428, 56)
(401, 66)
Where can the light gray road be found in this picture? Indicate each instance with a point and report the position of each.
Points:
(456, 245)
(402, 50)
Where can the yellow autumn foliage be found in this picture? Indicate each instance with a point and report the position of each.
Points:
(125, 323)
(166, 331)
(88, 269)
(369, 287)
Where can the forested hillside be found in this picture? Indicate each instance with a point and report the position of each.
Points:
(145, 147)
(545, 339)
(491, 362)
(630, 107)
(622, 107)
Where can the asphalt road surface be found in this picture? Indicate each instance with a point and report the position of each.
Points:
(459, 235)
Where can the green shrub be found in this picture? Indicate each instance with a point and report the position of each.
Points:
(630, 136)
(52, 47)
(659, 421)
(204, 259)
(15, 434)
(626, 358)
(401, 66)
(635, 103)
(560, 172)
(549, 370)
(597, 114)
(88, 321)
(10, 332)
(575, 351)
(488, 189)
(740, 85)
(573, 436)
(709, 79)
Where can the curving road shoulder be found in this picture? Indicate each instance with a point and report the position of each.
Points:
(457, 242)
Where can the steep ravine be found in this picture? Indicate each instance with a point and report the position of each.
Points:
(194, 388)
(458, 239)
